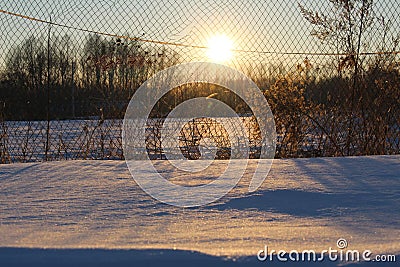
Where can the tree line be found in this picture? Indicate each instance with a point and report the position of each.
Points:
(53, 78)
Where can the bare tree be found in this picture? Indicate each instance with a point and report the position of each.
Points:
(343, 28)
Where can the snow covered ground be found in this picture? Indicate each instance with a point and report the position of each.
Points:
(91, 213)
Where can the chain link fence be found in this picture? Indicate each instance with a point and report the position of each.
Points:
(329, 70)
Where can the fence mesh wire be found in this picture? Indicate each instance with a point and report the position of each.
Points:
(329, 70)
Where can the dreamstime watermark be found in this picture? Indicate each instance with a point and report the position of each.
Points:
(136, 128)
(341, 253)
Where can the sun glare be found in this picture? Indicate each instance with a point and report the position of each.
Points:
(220, 49)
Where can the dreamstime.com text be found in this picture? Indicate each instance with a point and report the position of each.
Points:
(341, 253)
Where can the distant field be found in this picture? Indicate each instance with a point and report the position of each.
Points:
(25, 141)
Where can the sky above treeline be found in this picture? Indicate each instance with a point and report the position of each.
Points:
(271, 26)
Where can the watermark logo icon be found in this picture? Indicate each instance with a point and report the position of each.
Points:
(341, 243)
(137, 125)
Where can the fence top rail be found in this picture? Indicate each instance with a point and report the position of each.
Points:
(138, 39)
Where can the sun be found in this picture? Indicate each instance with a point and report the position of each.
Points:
(219, 49)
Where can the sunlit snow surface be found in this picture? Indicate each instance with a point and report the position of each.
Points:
(303, 204)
